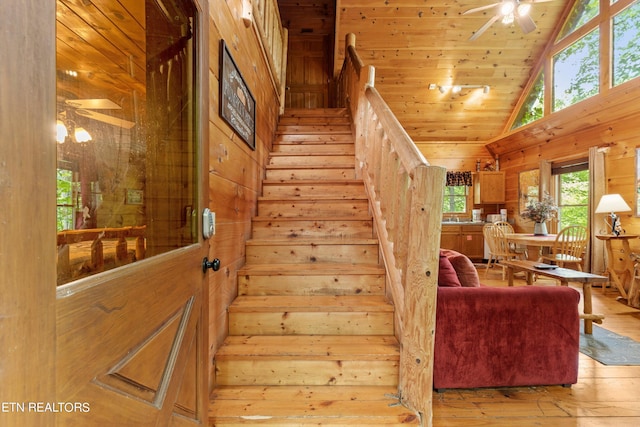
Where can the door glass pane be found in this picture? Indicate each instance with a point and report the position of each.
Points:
(126, 134)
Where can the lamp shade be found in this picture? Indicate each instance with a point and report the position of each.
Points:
(612, 203)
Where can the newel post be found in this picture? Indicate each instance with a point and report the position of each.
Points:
(416, 353)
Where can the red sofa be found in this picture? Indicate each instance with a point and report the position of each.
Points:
(496, 337)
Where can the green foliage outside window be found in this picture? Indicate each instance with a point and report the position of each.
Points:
(576, 71)
(582, 12)
(64, 200)
(455, 199)
(573, 205)
(533, 107)
(626, 53)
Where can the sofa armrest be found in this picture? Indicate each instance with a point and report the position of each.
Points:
(492, 337)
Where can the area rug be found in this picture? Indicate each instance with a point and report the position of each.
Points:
(609, 348)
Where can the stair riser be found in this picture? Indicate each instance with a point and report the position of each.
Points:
(333, 149)
(313, 208)
(316, 253)
(311, 173)
(338, 191)
(296, 228)
(303, 372)
(311, 323)
(319, 160)
(346, 284)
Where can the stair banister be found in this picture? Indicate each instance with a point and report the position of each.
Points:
(406, 195)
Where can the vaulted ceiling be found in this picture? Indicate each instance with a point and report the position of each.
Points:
(415, 43)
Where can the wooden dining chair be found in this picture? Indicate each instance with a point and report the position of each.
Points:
(498, 247)
(507, 228)
(569, 247)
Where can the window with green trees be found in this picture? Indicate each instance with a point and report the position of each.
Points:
(626, 52)
(573, 198)
(577, 71)
(533, 107)
(455, 199)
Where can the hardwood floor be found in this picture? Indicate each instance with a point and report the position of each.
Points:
(604, 396)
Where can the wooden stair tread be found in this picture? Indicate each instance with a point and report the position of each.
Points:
(310, 303)
(311, 218)
(328, 269)
(313, 241)
(333, 165)
(342, 182)
(311, 198)
(309, 154)
(311, 347)
(313, 405)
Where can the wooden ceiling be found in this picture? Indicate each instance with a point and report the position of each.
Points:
(415, 43)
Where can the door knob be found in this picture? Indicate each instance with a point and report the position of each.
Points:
(213, 264)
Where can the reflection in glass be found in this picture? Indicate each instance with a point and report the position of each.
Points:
(125, 133)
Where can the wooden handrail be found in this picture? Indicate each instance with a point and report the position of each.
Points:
(405, 194)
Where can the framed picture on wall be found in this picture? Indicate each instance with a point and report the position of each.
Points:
(237, 104)
(528, 188)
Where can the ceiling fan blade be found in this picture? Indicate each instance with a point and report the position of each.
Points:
(93, 104)
(478, 9)
(484, 28)
(526, 23)
(105, 118)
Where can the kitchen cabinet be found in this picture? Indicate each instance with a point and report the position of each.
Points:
(464, 238)
(488, 187)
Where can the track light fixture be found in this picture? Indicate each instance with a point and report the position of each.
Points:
(458, 88)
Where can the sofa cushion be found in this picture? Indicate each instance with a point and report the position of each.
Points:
(447, 275)
(466, 271)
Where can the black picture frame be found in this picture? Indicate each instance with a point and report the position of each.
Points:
(237, 104)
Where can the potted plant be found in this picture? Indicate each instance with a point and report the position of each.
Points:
(540, 212)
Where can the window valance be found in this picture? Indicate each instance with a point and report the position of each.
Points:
(459, 179)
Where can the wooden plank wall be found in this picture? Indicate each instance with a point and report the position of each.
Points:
(235, 171)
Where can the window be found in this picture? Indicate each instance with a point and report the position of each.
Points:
(455, 199)
(573, 67)
(533, 107)
(626, 39)
(576, 71)
(64, 200)
(572, 183)
(582, 12)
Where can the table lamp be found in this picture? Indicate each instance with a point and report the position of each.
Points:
(613, 203)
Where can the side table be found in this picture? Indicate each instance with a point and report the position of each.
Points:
(621, 278)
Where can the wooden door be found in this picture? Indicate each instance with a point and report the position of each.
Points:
(308, 72)
(131, 311)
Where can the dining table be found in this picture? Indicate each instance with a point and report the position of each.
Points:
(537, 243)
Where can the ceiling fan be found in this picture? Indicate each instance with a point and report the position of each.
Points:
(508, 11)
(85, 107)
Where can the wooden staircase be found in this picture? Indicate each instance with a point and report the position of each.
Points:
(311, 334)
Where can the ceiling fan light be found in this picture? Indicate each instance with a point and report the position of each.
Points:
(508, 19)
(456, 89)
(486, 89)
(81, 135)
(442, 89)
(524, 9)
(507, 8)
(61, 132)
